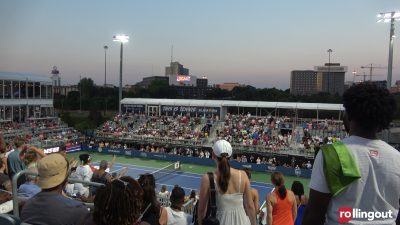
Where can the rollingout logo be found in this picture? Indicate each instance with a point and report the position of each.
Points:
(346, 214)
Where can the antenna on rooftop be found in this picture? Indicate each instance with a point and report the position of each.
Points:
(172, 53)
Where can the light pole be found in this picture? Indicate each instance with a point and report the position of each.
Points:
(80, 94)
(329, 68)
(105, 76)
(123, 39)
(389, 17)
(354, 76)
(105, 65)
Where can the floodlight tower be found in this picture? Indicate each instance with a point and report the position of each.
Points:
(123, 39)
(386, 18)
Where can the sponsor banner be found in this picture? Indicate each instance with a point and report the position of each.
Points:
(133, 108)
(181, 78)
(73, 148)
(70, 148)
(271, 168)
(189, 109)
(51, 150)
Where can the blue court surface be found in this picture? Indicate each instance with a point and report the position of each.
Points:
(186, 180)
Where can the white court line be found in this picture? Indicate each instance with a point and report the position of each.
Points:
(199, 176)
(183, 175)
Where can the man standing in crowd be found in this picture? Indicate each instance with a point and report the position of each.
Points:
(49, 206)
(362, 174)
(175, 216)
(14, 161)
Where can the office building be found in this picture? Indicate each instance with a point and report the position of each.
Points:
(24, 96)
(330, 78)
(148, 80)
(303, 82)
(175, 69)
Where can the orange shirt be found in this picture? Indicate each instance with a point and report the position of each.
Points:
(282, 211)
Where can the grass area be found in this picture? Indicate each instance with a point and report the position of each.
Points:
(264, 177)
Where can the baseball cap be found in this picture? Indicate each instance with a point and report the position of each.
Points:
(52, 169)
(221, 147)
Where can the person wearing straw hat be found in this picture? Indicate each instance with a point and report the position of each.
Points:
(50, 207)
(233, 192)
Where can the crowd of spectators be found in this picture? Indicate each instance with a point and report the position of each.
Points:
(41, 132)
(266, 133)
(280, 133)
(177, 127)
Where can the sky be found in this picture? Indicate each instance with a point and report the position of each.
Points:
(253, 42)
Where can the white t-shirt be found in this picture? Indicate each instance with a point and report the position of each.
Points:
(178, 217)
(163, 194)
(378, 189)
(84, 172)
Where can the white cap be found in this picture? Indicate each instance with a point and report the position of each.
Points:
(221, 147)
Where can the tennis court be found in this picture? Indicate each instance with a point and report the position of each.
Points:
(170, 177)
(188, 177)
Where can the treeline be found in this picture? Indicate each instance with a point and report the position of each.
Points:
(96, 99)
(101, 98)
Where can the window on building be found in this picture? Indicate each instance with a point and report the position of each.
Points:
(43, 87)
(37, 90)
(30, 89)
(49, 92)
(16, 87)
(23, 89)
(1, 89)
(7, 89)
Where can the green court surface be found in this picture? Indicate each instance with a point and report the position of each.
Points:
(191, 168)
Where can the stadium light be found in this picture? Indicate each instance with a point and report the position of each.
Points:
(105, 65)
(329, 67)
(123, 39)
(386, 18)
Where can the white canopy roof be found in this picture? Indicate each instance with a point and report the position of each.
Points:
(229, 103)
(24, 77)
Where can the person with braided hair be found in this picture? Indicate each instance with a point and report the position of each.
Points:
(119, 202)
(233, 193)
(281, 203)
(361, 172)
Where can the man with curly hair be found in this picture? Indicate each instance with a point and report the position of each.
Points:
(361, 173)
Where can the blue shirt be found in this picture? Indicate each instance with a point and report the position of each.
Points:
(14, 163)
(28, 190)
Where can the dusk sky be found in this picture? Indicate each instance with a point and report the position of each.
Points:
(251, 42)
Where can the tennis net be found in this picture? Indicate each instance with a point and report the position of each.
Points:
(165, 171)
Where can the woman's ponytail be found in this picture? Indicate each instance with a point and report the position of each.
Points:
(225, 172)
(278, 180)
(282, 191)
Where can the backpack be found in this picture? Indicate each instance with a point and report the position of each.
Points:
(211, 215)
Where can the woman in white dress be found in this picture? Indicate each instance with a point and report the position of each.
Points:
(83, 172)
(233, 193)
